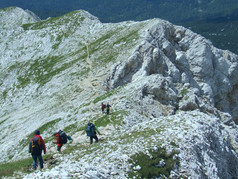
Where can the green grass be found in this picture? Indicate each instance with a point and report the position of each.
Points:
(55, 21)
(4, 94)
(43, 70)
(24, 165)
(7, 169)
(184, 92)
(128, 38)
(72, 128)
(114, 118)
(2, 122)
(107, 53)
(150, 167)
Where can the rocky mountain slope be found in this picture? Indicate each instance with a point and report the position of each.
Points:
(173, 96)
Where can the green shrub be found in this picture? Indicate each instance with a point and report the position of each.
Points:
(149, 164)
(184, 92)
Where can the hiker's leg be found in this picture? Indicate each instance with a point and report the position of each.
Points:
(41, 161)
(96, 138)
(34, 157)
(91, 139)
(59, 148)
(107, 111)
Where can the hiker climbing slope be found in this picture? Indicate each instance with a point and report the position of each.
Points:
(103, 106)
(92, 131)
(36, 146)
(61, 139)
(108, 106)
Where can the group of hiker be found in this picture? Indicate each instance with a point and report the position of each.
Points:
(37, 144)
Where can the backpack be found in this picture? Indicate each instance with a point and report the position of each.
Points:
(36, 146)
(90, 130)
(63, 137)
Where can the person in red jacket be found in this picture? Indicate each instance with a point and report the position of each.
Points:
(103, 106)
(36, 146)
(58, 141)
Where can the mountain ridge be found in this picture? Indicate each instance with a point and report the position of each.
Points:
(165, 84)
(203, 17)
(184, 9)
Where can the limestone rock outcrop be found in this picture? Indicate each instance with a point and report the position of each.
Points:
(189, 63)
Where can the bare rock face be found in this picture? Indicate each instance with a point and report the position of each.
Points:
(190, 62)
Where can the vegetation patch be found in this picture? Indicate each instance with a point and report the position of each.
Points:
(184, 92)
(128, 38)
(42, 71)
(115, 118)
(22, 82)
(2, 122)
(8, 169)
(84, 105)
(158, 163)
(24, 165)
(71, 128)
(117, 37)
(4, 94)
(55, 21)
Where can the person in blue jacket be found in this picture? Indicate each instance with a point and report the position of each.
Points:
(108, 106)
(92, 131)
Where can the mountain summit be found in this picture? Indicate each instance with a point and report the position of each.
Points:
(173, 97)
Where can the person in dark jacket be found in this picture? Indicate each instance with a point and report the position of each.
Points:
(58, 141)
(108, 106)
(36, 146)
(92, 131)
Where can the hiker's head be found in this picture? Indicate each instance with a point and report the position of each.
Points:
(55, 133)
(37, 132)
(89, 124)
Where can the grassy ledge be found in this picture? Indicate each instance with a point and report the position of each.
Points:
(157, 164)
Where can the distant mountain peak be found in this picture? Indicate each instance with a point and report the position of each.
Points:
(13, 17)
